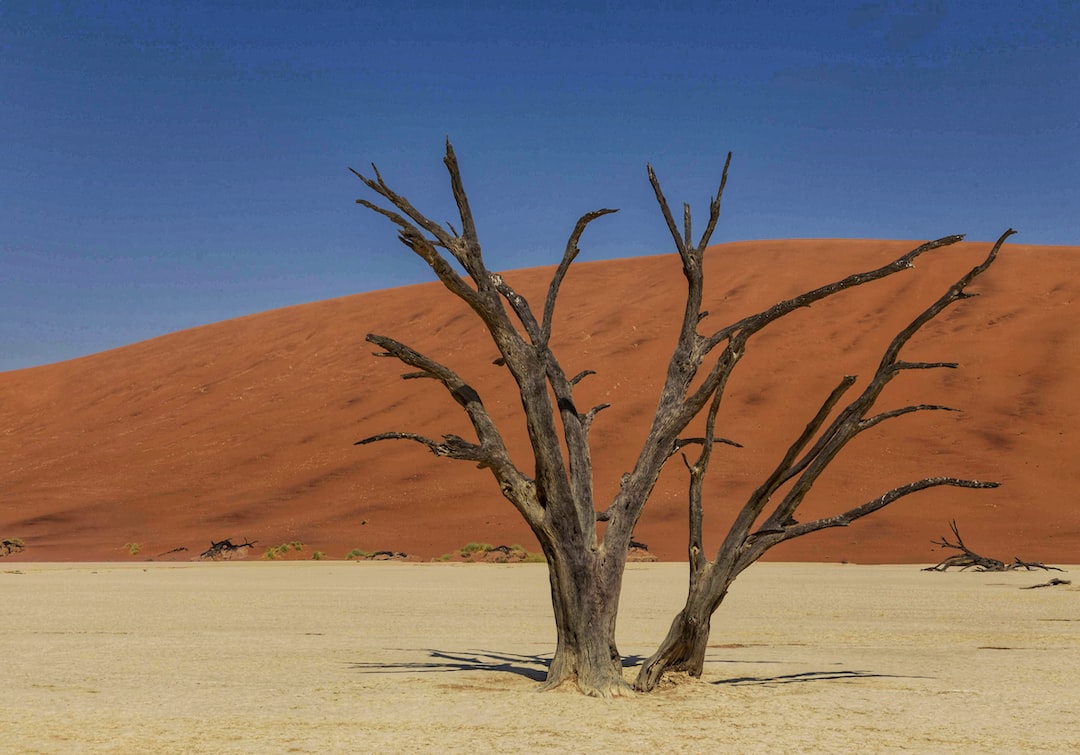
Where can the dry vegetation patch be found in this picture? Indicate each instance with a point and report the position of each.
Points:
(492, 554)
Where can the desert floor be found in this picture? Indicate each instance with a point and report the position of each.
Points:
(337, 656)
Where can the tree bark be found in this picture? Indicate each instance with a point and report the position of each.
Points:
(585, 589)
(683, 649)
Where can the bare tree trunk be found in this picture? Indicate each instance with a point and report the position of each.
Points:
(683, 649)
(585, 590)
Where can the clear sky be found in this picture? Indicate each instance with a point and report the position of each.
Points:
(166, 165)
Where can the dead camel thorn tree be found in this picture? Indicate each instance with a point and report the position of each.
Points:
(555, 497)
(967, 558)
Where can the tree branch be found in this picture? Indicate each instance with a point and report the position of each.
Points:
(491, 451)
(380, 187)
(453, 446)
(678, 405)
(530, 367)
(674, 411)
(411, 237)
(569, 255)
(690, 254)
(680, 243)
(465, 248)
(754, 323)
(591, 414)
(695, 550)
(519, 305)
(770, 534)
(682, 442)
(580, 376)
(462, 392)
(924, 365)
(714, 207)
(869, 422)
(852, 420)
(849, 516)
(468, 226)
(783, 471)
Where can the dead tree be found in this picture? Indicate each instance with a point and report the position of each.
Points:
(224, 550)
(968, 559)
(555, 496)
(11, 545)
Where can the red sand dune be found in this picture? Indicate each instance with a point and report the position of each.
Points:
(244, 429)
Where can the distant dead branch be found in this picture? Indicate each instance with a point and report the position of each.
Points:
(1051, 583)
(968, 559)
(11, 545)
(225, 550)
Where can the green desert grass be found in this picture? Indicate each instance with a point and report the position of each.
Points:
(282, 550)
(470, 548)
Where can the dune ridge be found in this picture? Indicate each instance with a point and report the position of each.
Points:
(245, 428)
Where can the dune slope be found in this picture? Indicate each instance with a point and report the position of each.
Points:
(245, 428)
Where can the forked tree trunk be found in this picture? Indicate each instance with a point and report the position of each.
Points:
(585, 589)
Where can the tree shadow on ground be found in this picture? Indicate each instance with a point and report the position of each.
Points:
(532, 667)
(809, 676)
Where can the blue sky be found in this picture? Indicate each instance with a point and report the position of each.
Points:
(166, 165)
